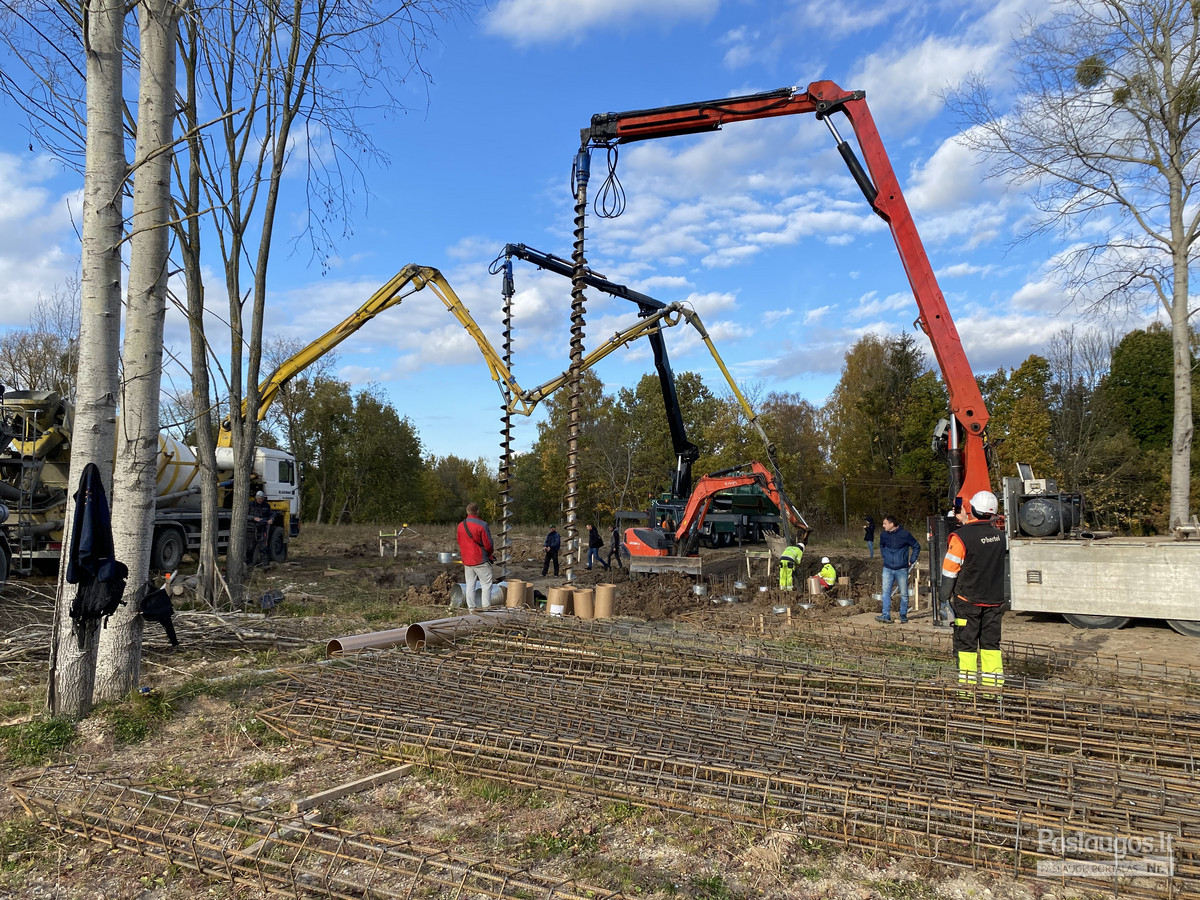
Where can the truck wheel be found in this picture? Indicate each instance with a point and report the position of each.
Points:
(276, 545)
(714, 540)
(1184, 627)
(1080, 621)
(3, 567)
(167, 552)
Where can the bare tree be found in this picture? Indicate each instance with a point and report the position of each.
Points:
(72, 665)
(136, 470)
(287, 64)
(45, 356)
(1101, 132)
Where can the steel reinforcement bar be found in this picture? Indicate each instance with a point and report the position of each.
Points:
(279, 855)
(945, 821)
(740, 737)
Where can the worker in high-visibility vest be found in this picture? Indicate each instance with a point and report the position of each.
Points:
(789, 562)
(828, 574)
(973, 580)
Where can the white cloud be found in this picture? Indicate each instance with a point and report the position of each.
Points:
(551, 21)
(816, 315)
(962, 270)
(871, 305)
(40, 250)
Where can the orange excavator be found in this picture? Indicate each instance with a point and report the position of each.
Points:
(678, 551)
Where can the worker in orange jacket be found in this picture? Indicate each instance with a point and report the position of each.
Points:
(973, 581)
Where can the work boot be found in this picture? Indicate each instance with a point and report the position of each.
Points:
(885, 619)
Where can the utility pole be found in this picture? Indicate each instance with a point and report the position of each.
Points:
(845, 514)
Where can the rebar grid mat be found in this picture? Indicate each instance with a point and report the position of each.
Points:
(960, 783)
(290, 856)
(851, 639)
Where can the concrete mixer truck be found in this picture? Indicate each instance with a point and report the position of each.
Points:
(35, 462)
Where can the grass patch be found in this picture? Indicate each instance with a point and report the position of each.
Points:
(488, 791)
(913, 889)
(177, 778)
(138, 716)
(19, 837)
(266, 771)
(559, 842)
(262, 734)
(712, 887)
(37, 742)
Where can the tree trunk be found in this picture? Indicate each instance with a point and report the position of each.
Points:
(72, 669)
(189, 244)
(1183, 430)
(136, 470)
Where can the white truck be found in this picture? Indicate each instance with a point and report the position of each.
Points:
(35, 460)
(1091, 578)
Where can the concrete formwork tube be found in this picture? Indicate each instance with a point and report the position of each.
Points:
(441, 632)
(376, 640)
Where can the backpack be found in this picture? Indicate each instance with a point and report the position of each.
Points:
(99, 598)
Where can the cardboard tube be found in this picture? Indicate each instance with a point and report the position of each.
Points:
(440, 632)
(376, 640)
(583, 603)
(606, 595)
(515, 595)
(529, 594)
(557, 601)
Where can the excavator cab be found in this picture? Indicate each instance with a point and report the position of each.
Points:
(648, 542)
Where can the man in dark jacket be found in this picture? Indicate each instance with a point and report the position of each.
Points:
(869, 535)
(261, 515)
(553, 542)
(595, 542)
(615, 549)
(899, 550)
(475, 548)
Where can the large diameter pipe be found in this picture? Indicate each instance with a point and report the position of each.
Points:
(375, 640)
(441, 632)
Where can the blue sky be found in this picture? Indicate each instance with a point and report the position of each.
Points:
(757, 226)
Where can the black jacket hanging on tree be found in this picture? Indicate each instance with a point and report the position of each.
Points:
(90, 562)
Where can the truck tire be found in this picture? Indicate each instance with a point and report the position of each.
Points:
(276, 545)
(714, 540)
(1184, 627)
(167, 552)
(1081, 621)
(3, 566)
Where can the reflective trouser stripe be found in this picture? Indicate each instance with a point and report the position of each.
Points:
(968, 664)
(992, 664)
(961, 623)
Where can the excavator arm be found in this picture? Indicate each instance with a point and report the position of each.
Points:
(685, 451)
(413, 278)
(881, 188)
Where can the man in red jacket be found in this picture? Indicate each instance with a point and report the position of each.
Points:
(475, 548)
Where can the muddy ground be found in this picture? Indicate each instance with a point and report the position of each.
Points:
(204, 737)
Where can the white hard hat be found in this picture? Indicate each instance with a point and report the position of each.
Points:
(799, 544)
(824, 559)
(985, 503)
(260, 496)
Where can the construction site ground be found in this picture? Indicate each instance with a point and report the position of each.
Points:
(690, 747)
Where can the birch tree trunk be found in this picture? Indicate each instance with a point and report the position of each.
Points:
(72, 668)
(136, 470)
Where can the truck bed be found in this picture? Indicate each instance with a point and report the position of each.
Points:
(1151, 577)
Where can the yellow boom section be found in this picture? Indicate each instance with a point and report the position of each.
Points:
(413, 278)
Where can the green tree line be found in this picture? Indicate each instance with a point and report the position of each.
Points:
(1094, 413)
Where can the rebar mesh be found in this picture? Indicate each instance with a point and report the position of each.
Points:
(279, 855)
(725, 730)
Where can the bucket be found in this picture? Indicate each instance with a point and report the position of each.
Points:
(459, 599)
(700, 590)
(515, 595)
(445, 557)
(557, 601)
(606, 595)
(814, 585)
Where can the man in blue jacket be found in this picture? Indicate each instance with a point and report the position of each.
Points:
(899, 550)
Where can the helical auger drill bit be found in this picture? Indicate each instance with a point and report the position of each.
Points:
(580, 177)
(507, 290)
